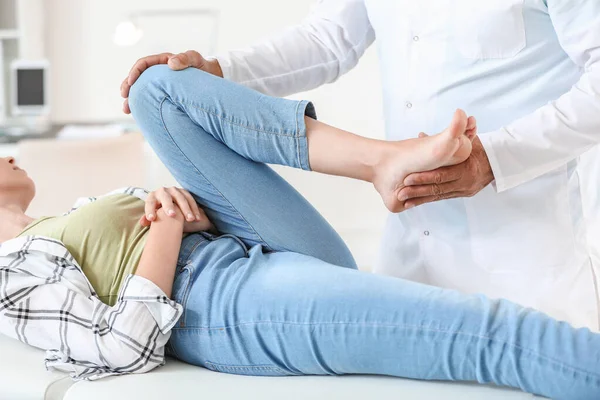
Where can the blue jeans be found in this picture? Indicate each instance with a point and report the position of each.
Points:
(279, 292)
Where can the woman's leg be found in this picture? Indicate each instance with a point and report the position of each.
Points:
(289, 314)
(180, 111)
(240, 196)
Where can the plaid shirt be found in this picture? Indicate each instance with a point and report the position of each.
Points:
(47, 302)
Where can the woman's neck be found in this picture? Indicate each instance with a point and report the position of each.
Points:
(13, 220)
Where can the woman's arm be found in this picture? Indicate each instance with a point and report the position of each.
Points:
(159, 258)
(60, 313)
(50, 305)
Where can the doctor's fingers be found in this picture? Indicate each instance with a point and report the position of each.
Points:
(430, 199)
(138, 68)
(190, 58)
(125, 87)
(126, 108)
(433, 190)
(437, 176)
(143, 64)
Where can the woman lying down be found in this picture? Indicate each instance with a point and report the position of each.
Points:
(255, 282)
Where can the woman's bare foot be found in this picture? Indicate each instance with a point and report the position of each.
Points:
(450, 147)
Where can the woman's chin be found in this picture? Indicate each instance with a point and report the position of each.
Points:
(31, 189)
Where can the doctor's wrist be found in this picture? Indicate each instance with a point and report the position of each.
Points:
(214, 67)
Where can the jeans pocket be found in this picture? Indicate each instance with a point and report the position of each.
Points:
(252, 370)
(181, 290)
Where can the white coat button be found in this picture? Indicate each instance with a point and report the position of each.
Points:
(409, 105)
(426, 233)
(416, 38)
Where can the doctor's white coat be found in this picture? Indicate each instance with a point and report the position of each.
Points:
(529, 70)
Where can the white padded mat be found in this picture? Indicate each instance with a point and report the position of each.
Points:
(180, 381)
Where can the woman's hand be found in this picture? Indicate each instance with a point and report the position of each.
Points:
(176, 203)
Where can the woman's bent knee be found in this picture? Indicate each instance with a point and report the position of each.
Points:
(160, 81)
(153, 77)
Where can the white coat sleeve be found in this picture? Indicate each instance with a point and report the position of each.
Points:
(565, 128)
(326, 45)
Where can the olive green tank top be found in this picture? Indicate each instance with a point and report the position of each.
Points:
(105, 238)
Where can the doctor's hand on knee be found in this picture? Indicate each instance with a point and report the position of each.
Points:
(177, 62)
(461, 180)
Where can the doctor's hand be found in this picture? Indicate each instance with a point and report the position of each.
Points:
(461, 180)
(177, 62)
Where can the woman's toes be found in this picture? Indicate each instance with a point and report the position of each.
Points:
(458, 125)
(471, 133)
(471, 123)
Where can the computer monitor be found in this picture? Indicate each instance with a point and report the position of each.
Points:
(29, 94)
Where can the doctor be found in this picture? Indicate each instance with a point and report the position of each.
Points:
(508, 222)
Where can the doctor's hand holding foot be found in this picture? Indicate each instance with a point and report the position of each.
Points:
(386, 164)
(462, 180)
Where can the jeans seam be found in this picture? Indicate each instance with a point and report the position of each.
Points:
(160, 110)
(186, 294)
(191, 251)
(231, 122)
(245, 367)
(298, 135)
(194, 247)
(408, 327)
